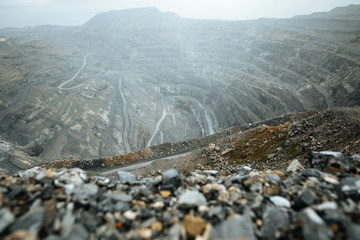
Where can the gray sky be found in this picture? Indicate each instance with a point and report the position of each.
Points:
(19, 13)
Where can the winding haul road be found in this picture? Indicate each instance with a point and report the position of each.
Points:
(125, 114)
(61, 86)
(158, 125)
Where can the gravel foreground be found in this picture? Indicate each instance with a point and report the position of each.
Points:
(321, 202)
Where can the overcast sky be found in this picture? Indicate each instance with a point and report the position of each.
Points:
(19, 13)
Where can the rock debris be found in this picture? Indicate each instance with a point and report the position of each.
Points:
(321, 202)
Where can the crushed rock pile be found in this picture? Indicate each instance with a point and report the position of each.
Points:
(321, 202)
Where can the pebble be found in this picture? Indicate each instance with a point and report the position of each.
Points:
(314, 227)
(272, 178)
(22, 235)
(158, 205)
(353, 231)
(6, 218)
(274, 220)
(280, 201)
(306, 198)
(194, 226)
(331, 180)
(32, 221)
(235, 227)
(171, 179)
(327, 205)
(120, 196)
(226, 151)
(191, 199)
(157, 226)
(126, 177)
(213, 173)
(165, 194)
(295, 167)
(130, 215)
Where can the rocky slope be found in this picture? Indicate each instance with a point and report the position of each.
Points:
(131, 79)
(314, 203)
(241, 184)
(266, 145)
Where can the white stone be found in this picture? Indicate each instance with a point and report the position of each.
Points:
(313, 215)
(280, 201)
(331, 180)
(130, 215)
(295, 166)
(327, 205)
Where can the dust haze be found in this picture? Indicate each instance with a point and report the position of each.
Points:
(20, 13)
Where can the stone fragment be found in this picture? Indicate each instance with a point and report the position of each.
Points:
(244, 170)
(165, 193)
(50, 209)
(177, 232)
(236, 227)
(126, 177)
(253, 180)
(53, 237)
(157, 226)
(217, 213)
(280, 201)
(213, 173)
(306, 198)
(194, 226)
(130, 215)
(238, 178)
(312, 172)
(84, 191)
(272, 178)
(120, 196)
(213, 187)
(224, 196)
(68, 220)
(330, 179)
(171, 179)
(191, 199)
(356, 157)
(121, 206)
(320, 160)
(203, 209)
(78, 232)
(4, 172)
(295, 167)
(141, 191)
(32, 221)
(353, 231)
(351, 187)
(6, 218)
(333, 216)
(211, 147)
(144, 233)
(158, 205)
(16, 191)
(272, 190)
(313, 227)
(274, 219)
(90, 221)
(326, 205)
(22, 235)
(226, 151)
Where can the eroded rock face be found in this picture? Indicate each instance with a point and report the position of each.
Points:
(114, 86)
